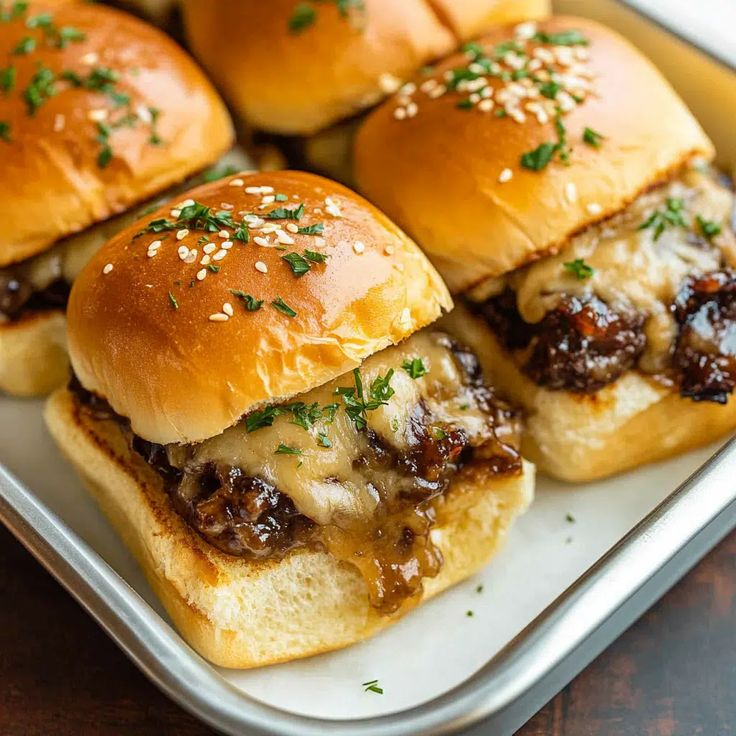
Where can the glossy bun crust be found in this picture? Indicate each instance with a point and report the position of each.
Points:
(444, 188)
(52, 184)
(141, 335)
(297, 83)
(242, 613)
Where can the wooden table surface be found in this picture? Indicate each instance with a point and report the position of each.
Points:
(672, 674)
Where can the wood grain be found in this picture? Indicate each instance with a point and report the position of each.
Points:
(672, 674)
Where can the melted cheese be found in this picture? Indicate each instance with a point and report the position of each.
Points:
(329, 484)
(631, 269)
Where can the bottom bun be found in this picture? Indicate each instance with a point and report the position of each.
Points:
(33, 357)
(583, 437)
(242, 613)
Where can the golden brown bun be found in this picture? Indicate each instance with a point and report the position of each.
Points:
(51, 183)
(470, 18)
(579, 438)
(444, 188)
(180, 377)
(238, 613)
(297, 83)
(33, 359)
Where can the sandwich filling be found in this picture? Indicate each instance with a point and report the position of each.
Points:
(358, 466)
(651, 289)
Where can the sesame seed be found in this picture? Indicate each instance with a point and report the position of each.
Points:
(429, 85)
(227, 206)
(399, 267)
(227, 308)
(181, 234)
(263, 242)
(267, 190)
(186, 203)
(292, 228)
(332, 207)
(155, 245)
(98, 115)
(485, 105)
(175, 212)
(209, 248)
(283, 238)
(59, 122)
(227, 245)
(594, 208)
(571, 192)
(525, 31)
(412, 109)
(320, 242)
(405, 318)
(409, 88)
(269, 199)
(151, 253)
(252, 190)
(107, 268)
(388, 83)
(261, 266)
(438, 92)
(206, 260)
(400, 113)
(389, 250)
(192, 256)
(219, 317)
(358, 247)
(269, 228)
(183, 252)
(219, 255)
(201, 274)
(236, 183)
(144, 114)
(475, 98)
(505, 176)
(90, 59)
(224, 234)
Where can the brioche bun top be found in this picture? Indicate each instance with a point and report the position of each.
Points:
(100, 111)
(458, 186)
(295, 67)
(164, 339)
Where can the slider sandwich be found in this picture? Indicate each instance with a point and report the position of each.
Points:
(563, 190)
(263, 409)
(99, 113)
(302, 70)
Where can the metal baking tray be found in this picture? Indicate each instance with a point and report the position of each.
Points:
(584, 582)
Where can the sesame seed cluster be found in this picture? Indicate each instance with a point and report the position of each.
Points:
(535, 76)
(205, 237)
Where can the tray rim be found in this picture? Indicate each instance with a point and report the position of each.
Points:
(705, 501)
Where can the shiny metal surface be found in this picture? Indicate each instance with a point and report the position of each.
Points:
(603, 602)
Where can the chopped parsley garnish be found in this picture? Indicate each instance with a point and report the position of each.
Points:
(284, 213)
(708, 228)
(251, 303)
(537, 159)
(469, 614)
(592, 137)
(215, 174)
(304, 416)
(5, 131)
(473, 49)
(317, 229)
(103, 138)
(25, 46)
(569, 518)
(579, 268)
(372, 686)
(562, 38)
(438, 433)
(315, 257)
(281, 198)
(303, 16)
(283, 307)
(479, 588)
(672, 216)
(213, 268)
(550, 89)
(154, 139)
(562, 147)
(283, 449)
(354, 399)
(173, 301)
(323, 439)
(195, 216)
(242, 234)
(16, 10)
(415, 368)
(7, 79)
(299, 265)
(465, 105)
(263, 418)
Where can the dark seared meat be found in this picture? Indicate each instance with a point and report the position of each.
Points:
(580, 346)
(17, 295)
(705, 351)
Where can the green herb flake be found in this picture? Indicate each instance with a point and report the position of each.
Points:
(251, 303)
(173, 301)
(283, 449)
(537, 159)
(242, 234)
(263, 418)
(438, 433)
(708, 228)
(104, 156)
(562, 38)
(673, 215)
(7, 79)
(323, 439)
(304, 15)
(550, 89)
(16, 10)
(283, 307)
(284, 213)
(317, 229)
(299, 265)
(69, 34)
(415, 368)
(372, 686)
(41, 88)
(281, 198)
(579, 268)
(469, 614)
(5, 131)
(592, 137)
(569, 518)
(25, 46)
(464, 105)
(479, 588)
(315, 257)
(213, 268)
